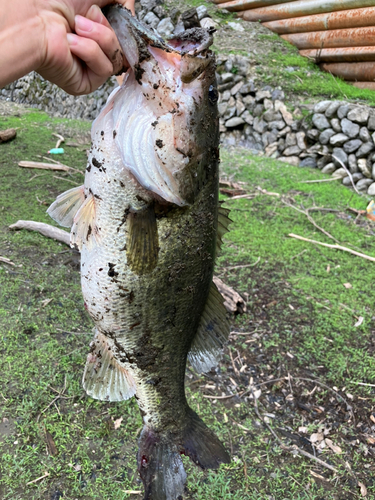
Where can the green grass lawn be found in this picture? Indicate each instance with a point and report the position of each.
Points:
(304, 318)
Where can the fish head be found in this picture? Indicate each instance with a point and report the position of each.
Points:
(174, 85)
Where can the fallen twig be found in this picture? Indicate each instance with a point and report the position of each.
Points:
(38, 479)
(319, 180)
(45, 229)
(220, 397)
(335, 247)
(363, 383)
(233, 302)
(347, 171)
(7, 261)
(244, 196)
(48, 166)
(230, 268)
(60, 140)
(268, 193)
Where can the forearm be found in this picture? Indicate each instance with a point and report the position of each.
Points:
(20, 45)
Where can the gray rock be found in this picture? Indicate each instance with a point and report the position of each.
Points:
(365, 149)
(247, 88)
(300, 136)
(363, 184)
(292, 151)
(151, 20)
(338, 139)
(326, 135)
(349, 128)
(165, 27)
(292, 160)
(358, 114)
(279, 125)
(364, 167)
(149, 4)
(179, 29)
(262, 94)
(202, 12)
(320, 121)
(174, 14)
(236, 88)
(249, 101)
(332, 109)
(222, 107)
(258, 110)
(322, 106)
(160, 12)
(290, 140)
(281, 144)
(310, 161)
(283, 132)
(343, 111)
(364, 134)
(269, 138)
(313, 134)
(240, 107)
(226, 77)
(225, 96)
(234, 122)
(373, 171)
(272, 116)
(339, 155)
(257, 136)
(329, 168)
(353, 145)
(335, 124)
(356, 177)
(323, 161)
(371, 189)
(260, 125)
(371, 120)
(340, 173)
(278, 94)
(249, 119)
(230, 112)
(352, 164)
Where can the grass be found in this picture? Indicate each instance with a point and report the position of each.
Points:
(44, 342)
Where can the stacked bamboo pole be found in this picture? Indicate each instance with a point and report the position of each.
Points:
(337, 34)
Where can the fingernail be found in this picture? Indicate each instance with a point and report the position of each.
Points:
(72, 39)
(95, 14)
(83, 24)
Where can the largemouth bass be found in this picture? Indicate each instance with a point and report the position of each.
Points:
(148, 225)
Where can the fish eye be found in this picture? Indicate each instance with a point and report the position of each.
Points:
(213, 94)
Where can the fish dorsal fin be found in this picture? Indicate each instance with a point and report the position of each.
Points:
(142, 245)
(66, 205)
(222, 226)
(104, 377)
(212, 334)
(84, 228)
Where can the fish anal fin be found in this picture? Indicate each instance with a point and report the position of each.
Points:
(212, 334)
(104, 377)
(84, 228)
(66, 205)
(223, 222)
(142, 245)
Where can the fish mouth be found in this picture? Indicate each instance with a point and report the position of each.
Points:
(192, 46)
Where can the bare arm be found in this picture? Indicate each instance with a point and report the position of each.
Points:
(69, 42)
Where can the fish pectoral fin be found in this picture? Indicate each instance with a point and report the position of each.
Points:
(104, 377)
(84, 228)
(222, 226)
(66, 205)
(212, 333)
(142, 245)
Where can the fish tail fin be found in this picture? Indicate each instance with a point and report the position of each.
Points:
(202, 445)
(159, 457)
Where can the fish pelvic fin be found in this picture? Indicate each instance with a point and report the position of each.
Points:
(212, 334)
(222, 226)
(159, 457)
(142, 246)
(84, 229)
(66, 205)
(104, 377)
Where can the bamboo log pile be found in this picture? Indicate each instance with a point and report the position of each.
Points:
(339, 35)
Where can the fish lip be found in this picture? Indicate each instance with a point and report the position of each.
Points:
(201, 36)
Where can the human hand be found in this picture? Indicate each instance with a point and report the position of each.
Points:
(80, 50)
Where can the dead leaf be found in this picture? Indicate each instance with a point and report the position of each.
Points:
(348, 285)
(316, 437)
(232, 192)
(372, 418)
(334, 447)
(318, 476)
(51, 447)
(256, 394)
(370, 440)
(77, 467)
(362, 488)
(45, 302)
(117, 423)
(359, 322)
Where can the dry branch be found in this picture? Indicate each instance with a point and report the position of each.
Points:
(335, 247)
(233, 302)
(44, 229)
(44, 166)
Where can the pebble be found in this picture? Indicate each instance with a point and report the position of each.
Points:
(371, 189)
(208, 23)
(356, 177)
(338, 139)
(234, 122)
(326, 135)
(165, 27)
(332, 108)
(310, 161)
(365, 149)
(321, 107)
(364, 134)
(343, 111)
(329, 168)
(292, 151)
(340, 173)
(364, 184)
(352, 164)
(363, 167)
(358, 115)
(335, 124)
(349, 128)
(320, 121)
(353, 145)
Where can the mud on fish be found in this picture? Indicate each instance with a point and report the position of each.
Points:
(148, 225)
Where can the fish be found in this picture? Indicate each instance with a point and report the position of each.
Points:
(149, 225)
